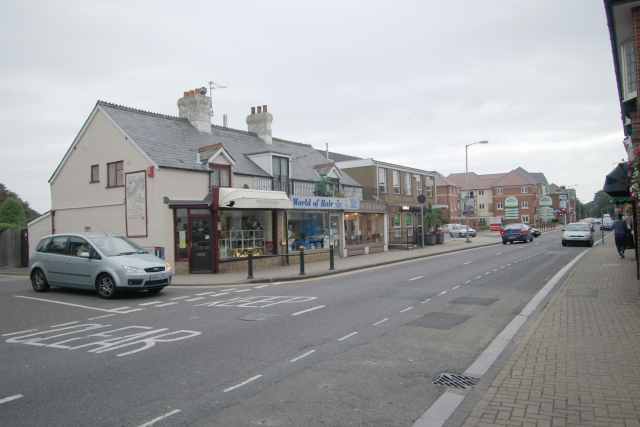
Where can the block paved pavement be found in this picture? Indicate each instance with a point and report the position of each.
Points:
(578, 362)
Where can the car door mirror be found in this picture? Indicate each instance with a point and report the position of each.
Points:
(84, 255)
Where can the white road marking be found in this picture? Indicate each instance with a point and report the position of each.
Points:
(478, 277)
(66, 303)
(10, 398)
(427, 300)
(442, 293)
(177, 298)
(64, 324)
(301, 356)
(406, 309)
(243, 290)
(499, 253)
(310, 309)
(242, 383)
(100, 317)
(166, 304)
(220, 294)
(495, 269)
(465, 263)
(16, 333)
(151, 303)
(195, 299)
(261, 286)
(468, 281)
(456, 287)
(416, 278)
(345, 337)
(383, 320)
(204, 293)
(488, 272)
(161, 417)
(502, 266)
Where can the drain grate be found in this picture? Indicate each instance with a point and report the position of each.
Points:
(257, 316)
(455, 381)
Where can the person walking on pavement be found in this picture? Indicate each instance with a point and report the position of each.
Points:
(620, 234)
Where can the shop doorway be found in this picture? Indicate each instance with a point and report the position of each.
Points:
(334, 233)
(200, 258)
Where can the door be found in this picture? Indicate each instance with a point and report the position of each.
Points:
(78, 269)
(200, 257)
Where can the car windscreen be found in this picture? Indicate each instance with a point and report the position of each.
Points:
(116, 245)
(578, 227)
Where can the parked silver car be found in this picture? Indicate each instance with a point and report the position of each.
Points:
(578, 232)
(461, 231)
(104, 262)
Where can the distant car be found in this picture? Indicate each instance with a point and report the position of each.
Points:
(516, 232)
(578, 232)
(106, 263)
(607, 223)
(461, 231)
(445, 228)
(535, 231)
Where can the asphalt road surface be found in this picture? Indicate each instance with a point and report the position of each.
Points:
(357, 349)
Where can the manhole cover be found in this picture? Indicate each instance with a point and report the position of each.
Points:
(439, 320)
(455, 381)
(257, 316)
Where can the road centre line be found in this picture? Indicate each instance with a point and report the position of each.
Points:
(442, 293)
(416, 278)
(465, 263)
(161, 417)
(310, 309)
(456, 287)
(383, 320)
(151, 303)
(64, 324)
(406, 309)
(479, 277)
(468, 281)
(301, 356)
(502, 266)
(16, 333)
(10, 398)
(495, 269)
(488, 272)
(427, 300)
(242, 383)
(347, 336)
(177, 298)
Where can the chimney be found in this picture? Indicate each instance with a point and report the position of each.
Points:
(260, 123)
(196, 107)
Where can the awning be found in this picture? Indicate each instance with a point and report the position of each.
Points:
(615, 183)
(238, 198)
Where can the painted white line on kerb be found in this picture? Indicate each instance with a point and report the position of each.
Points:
(425, 301)
(10, 398)
(416, 278)
(345, 337)
(307, 310)
(406, 309)
(242, 383)
(261, 286)
(64, 324)
(301, 356)
(465, 263)
(161, 417)
(383, 320)
(442, 293)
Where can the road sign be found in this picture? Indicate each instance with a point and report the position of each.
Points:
(422, 198)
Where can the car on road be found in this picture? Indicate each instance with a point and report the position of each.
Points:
(607, 223)
(461, 231)
(577, 233)
(535, 231)
(516, 232)
(106, 263)
(446, 228)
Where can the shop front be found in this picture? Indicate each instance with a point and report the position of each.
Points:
(405, 229)
(365, 229)
(314, 222)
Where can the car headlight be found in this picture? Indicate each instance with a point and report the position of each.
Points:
(168, 266)
(130, 269)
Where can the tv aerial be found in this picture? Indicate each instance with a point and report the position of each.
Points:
(212, 86)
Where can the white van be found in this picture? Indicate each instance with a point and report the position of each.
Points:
(607, 222)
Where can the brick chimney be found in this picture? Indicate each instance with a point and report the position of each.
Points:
(260, 122)
(195, 106)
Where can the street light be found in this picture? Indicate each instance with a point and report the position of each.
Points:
(466, 178)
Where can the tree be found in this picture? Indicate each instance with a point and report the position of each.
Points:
(432, 217)
(602, 204)
(12, 213)
(322, 188)
(5, 194)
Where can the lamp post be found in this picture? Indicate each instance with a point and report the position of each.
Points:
(466, 178)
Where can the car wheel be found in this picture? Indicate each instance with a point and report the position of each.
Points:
(504, 243)
(564, 243)
(39, 281)
(459, 234)
(106, 287)
(155, 290)
(526, 240)
(451, 234)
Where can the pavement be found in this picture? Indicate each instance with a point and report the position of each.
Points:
(575, 361)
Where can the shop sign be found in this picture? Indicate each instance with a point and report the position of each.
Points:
(511, 208)
(324, 203)
(370, 207)
(495, 223)
(546, 208)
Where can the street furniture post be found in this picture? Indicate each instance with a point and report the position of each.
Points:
(250, 262)
(302, 273)
(331, 267)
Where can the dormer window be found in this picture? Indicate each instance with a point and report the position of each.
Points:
(280, 173)
(220, 175)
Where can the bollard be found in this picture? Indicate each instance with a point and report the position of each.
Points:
(302, 273)
(602, 234)
(250, 262)
(331, 267)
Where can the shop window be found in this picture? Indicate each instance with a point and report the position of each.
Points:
(220, 175)
(397, 225)
(115, 174)
(182, 235)
(308, 229)
(243, 230)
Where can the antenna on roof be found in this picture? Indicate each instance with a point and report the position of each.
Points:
(213, 86)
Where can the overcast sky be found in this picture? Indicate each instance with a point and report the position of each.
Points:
(405, 82)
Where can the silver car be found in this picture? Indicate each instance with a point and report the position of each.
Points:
(104, 262)
(578, 232)
(461, 231)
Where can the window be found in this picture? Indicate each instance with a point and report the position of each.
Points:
(499, 205)
(396, 182)
(481, 206)
(419, 183)
(407, 184)
(525, 205)
(498, 191)
(220, 175)
(525, 218)
(409, 225)
(523, 189)
(382, 180)
(280, 172)
(628, 58)
(95, 173)
(480, 192)
(115, 174)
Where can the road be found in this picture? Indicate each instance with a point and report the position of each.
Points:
(357, 349)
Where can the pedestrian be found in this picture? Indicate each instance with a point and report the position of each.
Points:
(620, 230)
